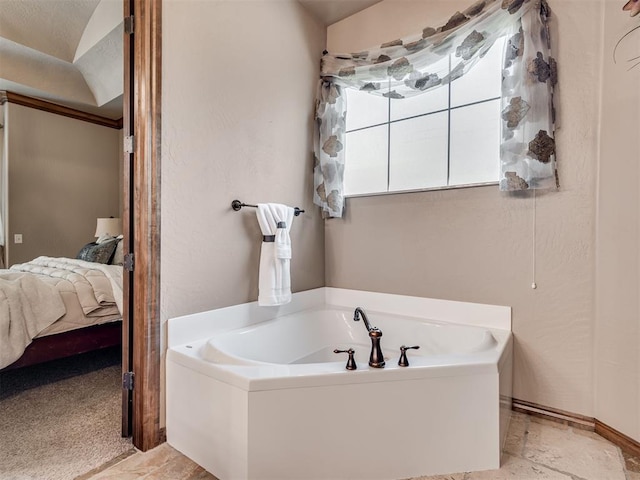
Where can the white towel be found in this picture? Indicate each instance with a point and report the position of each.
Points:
(274, 280)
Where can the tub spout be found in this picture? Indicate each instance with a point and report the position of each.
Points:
(359, 312)
(376, 359)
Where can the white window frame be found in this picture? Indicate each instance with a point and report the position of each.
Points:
(448, 110)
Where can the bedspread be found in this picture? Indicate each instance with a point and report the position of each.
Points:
(27, 306)
(32, 297)
(95, 283)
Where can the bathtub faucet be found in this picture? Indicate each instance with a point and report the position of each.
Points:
(376, 359)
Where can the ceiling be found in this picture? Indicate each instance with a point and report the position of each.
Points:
(69, 52)
(332, 11)
(65, 51)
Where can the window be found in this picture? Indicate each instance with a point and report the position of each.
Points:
(447, 137)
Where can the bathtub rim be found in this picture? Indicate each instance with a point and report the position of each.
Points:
(493, 340)
(252, 378)
(196, 329)
(192, 327)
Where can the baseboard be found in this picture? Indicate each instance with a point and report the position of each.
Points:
(626, 444)
(554, 415)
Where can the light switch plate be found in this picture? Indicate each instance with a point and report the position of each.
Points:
(17, 238)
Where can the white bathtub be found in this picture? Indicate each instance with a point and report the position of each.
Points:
(270, 399)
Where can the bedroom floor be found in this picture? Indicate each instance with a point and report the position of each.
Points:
(535, 449)
(62, 418)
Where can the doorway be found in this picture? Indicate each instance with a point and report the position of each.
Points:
(141, 223)
(141, 315)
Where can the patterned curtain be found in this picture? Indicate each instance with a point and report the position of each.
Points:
(405, 67)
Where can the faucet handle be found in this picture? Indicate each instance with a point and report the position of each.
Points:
(404, 362)
(351, 363)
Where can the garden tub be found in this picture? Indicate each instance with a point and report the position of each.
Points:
(271, 399)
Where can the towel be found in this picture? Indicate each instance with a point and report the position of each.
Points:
(274, 280)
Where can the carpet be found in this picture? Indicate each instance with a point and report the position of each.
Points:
(61, 419)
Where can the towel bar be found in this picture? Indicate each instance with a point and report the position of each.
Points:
(237, 205)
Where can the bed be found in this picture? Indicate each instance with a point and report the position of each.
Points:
(56, 307)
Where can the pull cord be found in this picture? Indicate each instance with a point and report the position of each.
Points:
(534, 285)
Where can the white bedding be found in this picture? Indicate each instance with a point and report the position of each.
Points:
(50, 295)
(27, 306)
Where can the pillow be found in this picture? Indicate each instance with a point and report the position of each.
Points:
(97, 252)
(104, 238)
(118, 256)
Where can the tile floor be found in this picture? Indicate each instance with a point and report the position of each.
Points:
(536, 449)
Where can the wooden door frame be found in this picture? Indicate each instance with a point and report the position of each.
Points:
(141, 220)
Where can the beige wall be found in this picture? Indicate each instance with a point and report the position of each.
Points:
(222, 139)
(63, 174)
(238, 93)
(477, 244)
(617, 353)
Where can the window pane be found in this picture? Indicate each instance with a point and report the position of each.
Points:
(431, 101)
(418, 154)
(365, 109)
(366, 161)
(475, 144)
(483, 81)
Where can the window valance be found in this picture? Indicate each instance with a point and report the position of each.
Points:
(405, 67)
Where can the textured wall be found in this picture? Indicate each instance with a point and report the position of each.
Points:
(238, 95)
(477, 244)
(222, 140)
(63, 174)
(618, 236)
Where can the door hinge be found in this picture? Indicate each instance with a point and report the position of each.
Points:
(128, 262)
(128, 25)
(127, 381)
(129, 144)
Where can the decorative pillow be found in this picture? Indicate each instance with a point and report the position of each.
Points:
(97, 252)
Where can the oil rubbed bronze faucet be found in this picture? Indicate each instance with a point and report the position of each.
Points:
(376, 359)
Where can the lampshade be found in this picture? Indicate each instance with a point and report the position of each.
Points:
(109, 226)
